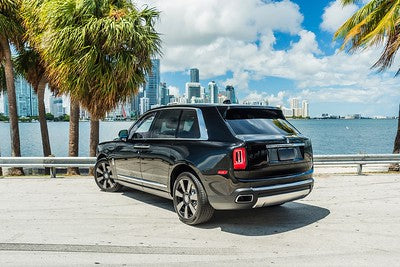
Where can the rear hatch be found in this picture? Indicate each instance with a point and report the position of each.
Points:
(274, 147)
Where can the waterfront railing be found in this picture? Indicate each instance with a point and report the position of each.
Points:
(55, 163)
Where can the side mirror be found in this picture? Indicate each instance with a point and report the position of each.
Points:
(123, 134)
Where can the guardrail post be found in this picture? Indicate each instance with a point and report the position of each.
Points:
(359, 169)
(52, 169)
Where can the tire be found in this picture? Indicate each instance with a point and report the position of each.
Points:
(102, 177)
(190, 200)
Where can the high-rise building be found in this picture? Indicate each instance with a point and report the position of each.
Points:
(144, 104)
(192, 90)
(153, 82)
(230, 94)
(27, 101)
(213, 92)
(56, 106)
(164, 94)
(194, 75)
(305, 109)
(295, 106)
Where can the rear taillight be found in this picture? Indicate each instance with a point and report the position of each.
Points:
(239, 158)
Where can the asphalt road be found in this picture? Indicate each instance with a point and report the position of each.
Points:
(347, 220)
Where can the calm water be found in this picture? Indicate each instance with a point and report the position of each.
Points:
(328, 136)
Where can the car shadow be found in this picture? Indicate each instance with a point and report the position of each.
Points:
(252, 222)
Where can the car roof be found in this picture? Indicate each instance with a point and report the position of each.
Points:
(207, 105)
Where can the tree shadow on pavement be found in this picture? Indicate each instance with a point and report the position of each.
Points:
(252, 222)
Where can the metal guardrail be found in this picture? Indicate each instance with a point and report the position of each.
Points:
(356, 159)
(48, 162)
(86, 162)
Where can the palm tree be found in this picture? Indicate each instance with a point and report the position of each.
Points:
(28, 64)
(377, 22)
(98, 52)
(10, 32)
(3, 87)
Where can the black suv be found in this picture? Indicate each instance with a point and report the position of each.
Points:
(208, 157)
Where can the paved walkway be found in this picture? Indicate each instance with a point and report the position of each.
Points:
(347, 220)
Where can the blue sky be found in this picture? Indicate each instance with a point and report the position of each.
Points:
(274, 50)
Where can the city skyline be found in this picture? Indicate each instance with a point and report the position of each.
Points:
(274, 49)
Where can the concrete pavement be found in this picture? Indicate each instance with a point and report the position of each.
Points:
(347, 220)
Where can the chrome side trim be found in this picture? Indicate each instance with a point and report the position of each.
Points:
(285, 145)
(141, 181)
(281, 186)
(281, 198)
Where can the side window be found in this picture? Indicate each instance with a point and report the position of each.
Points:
(189, 126)
(142, 129)
(166, 124)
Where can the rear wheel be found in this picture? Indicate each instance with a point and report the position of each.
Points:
(103, 176)
(190, 200)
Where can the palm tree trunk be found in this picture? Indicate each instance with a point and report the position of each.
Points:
(42, 120)
(73, 135)
(12, 105)
(94, 139)
(396, 148)
(94, 136)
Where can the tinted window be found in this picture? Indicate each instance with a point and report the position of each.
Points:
(141, 130)
(166, 123)
(188, 125)
(258, 121)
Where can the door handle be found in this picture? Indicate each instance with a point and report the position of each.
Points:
(141, 146)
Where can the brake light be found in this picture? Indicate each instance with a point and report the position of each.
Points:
(239, 158)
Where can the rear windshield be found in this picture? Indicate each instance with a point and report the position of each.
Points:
(258, 121)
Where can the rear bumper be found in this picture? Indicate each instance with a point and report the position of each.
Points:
(255, 197)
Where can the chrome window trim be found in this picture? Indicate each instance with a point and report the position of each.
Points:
(200, 121)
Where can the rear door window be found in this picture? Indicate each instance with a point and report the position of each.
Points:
(245, 121)
(189, 125)
(166, 124)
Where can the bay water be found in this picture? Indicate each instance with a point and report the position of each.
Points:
(328, 136)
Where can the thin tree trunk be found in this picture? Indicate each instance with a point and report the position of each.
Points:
(73, 135)
(94, 139)
(42, 120)
(396, 148)
(12, 105)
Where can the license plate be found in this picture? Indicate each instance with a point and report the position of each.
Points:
(286, 154)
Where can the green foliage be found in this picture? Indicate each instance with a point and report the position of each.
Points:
(375, 23)
(28, 64)
(49, 116)
(10, 22)
(64, 117)
(3, 117)
(96, 51)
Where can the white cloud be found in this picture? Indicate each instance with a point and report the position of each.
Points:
(239, 36)
(335, 14)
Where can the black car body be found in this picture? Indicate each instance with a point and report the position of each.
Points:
(230, 157)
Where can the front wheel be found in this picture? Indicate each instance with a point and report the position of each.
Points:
(103, 176)
(190, 200)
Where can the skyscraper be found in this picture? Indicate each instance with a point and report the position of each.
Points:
(27, 101)
(230, 94)
(153, 83)
(164, 94)
(192, 89)
(194, 75)
(305, 109)
(213, 92)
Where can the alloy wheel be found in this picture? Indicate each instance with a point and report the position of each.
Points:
(186, 198)
(103, 176)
